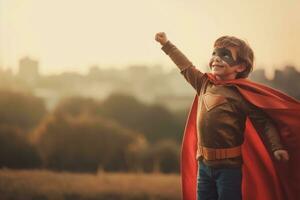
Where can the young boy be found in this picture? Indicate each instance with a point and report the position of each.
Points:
(219, 119)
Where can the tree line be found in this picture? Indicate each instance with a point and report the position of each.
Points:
(81, 134)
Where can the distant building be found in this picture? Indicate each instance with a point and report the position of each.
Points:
(28, 69)
(94, 70)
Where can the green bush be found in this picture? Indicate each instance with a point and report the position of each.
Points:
(15, 149)
(84, 143)
(21, 110)
(163, 157)
(154, 121)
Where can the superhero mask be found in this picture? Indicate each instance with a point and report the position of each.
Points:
(225, 55)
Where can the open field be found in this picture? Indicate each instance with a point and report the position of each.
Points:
(47, 185)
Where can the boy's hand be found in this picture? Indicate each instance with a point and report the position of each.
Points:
(281, 155)
(161, 37)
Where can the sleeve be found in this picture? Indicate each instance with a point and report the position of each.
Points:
(264, 127)
(193, 76)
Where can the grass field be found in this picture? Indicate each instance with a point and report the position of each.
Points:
(47, 185)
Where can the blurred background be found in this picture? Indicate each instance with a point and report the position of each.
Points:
(91, 108)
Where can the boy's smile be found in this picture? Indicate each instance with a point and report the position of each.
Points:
(225, 64)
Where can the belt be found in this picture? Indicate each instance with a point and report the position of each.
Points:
(216, 154)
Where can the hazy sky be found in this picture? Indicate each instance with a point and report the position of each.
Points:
(72, 35)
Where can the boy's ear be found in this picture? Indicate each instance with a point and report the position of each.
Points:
(241, 68)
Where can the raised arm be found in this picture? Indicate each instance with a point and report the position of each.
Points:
(186, 67)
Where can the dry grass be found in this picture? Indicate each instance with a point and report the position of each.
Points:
(47, 185)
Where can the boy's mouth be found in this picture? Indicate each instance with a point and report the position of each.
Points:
(217, 65)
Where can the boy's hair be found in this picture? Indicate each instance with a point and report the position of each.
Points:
(244, 52)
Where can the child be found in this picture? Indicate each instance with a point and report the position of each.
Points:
(219, 120)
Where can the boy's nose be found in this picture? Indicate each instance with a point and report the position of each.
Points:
(216, 58)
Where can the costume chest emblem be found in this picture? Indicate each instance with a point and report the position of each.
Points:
(213, 100)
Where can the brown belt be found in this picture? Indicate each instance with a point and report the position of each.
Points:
(216, 154)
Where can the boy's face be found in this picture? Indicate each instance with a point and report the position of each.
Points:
(225, 63)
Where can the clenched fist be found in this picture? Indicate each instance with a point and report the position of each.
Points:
(161, 37)
(281, 155)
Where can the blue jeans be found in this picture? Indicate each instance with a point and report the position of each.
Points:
(219, 183)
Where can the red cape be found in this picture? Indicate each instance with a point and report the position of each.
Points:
(263, 177)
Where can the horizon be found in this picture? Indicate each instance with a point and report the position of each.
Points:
(268, 74)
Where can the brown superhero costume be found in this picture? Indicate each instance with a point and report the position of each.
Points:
(223, 116)
(263, 178)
